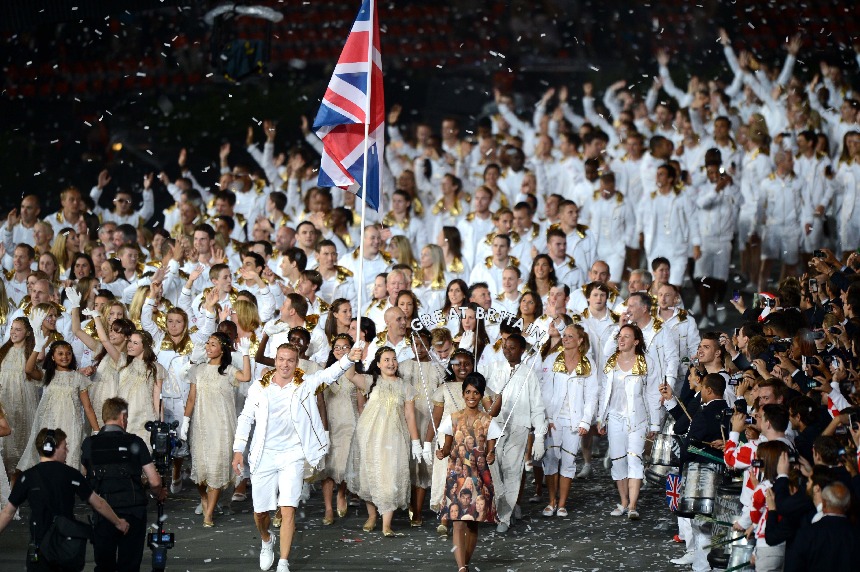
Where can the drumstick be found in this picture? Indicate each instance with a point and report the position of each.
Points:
(684, 409)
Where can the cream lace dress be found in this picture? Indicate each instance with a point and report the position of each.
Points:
(342, 411)
(60, 407)
(135, 386)
(105, 384)
(424, 377)
(20, 398)
(379, 458)
(450, 396)
(213, 425)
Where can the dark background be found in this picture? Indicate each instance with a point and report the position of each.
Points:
(81, 76)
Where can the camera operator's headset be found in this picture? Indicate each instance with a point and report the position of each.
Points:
(50, 444)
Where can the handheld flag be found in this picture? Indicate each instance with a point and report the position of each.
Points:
(673, 490)
(350, 121)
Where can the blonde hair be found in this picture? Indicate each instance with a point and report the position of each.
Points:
(60, 250)
(247, 315)
(437, 268)
(136, 306)
(401, 250)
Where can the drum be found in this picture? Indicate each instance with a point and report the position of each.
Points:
(740, 553)
(727, 509)
(699, 490)
(666, 451)
(656, 474)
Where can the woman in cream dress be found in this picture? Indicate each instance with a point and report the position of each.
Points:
(380, 455)
(19, 393)
(210, 414)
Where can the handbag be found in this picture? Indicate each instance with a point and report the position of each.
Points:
(65, 542)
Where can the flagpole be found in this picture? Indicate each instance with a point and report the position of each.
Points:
(372, 6)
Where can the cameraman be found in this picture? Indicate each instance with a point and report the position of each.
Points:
(50, 487)
(113, 461)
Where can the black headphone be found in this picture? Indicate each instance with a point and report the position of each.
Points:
(50, 444)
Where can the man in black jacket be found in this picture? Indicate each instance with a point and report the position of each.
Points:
(831, 543)
(113, 462)
(787, 513)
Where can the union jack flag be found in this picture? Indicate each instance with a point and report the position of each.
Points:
(673, 490)
(352, 102)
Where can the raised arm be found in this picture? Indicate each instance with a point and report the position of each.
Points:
(244, 347)
(111, 349)
(73, 305)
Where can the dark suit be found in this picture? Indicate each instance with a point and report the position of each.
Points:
(832, 543)
(705, 427)
(792, 511)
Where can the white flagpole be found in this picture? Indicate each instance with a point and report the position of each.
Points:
(359, 296)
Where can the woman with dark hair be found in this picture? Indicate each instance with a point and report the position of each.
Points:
(530, 309)
(455, 297)
(767, 558)
(18, 394)
(63, 398)
(341, 411)
(629, 410)
(140, 381)
(212, 403)
(541, 277)
(366, 334)
(408, 302)
(82, 267)
(472, 422)
(451, 243)
(339, 319)
(473, 332)
(379, 460)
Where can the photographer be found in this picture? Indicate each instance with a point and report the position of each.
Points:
(51, 487)
(113, 461)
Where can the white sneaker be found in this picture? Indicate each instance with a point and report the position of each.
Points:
(585, 472)
(684, 560)
(619, 511)
(721, 315)
(283, 566)
(176, 487)
(199, 509)
(267, 553)
(502, 528)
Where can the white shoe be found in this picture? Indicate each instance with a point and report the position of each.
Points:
(502, 528)
(199, 509)
(283, 566)
(176, 487)
(267, 553)
(518, 513)
(619, 511)
(684, 560)
(705, 323)
(585, 472)
(721, 315)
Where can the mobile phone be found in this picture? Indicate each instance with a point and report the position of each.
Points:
(771, 303)
(736, 295)
(812, 360)
(817, 335)
(834, 330)
(813, 285)
(758, 463)
(818, 254)
(803, 361)
(853, 420)
(737, 332)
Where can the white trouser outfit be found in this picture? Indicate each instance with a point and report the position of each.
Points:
(715, 260)
(507, 471)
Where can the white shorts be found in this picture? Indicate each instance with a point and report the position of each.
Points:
(626, 449)
(562, 445)
(714, 262)
(277, 482)
(781, 243)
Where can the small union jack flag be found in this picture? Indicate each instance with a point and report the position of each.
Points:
(673, 490)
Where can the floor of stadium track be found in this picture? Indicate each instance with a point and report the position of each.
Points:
(588, 540)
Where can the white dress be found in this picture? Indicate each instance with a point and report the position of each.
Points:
(341, 407)
(105, 384)
(60, 407)
(20, 398)
(213, 425)
(379, 459)
(135, 386)
(424, 377)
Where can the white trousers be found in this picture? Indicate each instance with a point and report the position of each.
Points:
(507, 471)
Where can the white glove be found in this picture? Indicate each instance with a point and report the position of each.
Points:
(41, 340)
(244, 346)
(560, 326)
(467, 340)
(91, 313)
(36, 318)
(186, 425)
(184, 370)
(358, 345)
(428, 453)
(328, 436)
(538, 448)
(416, 450)
(275, 327)
(73, 298)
